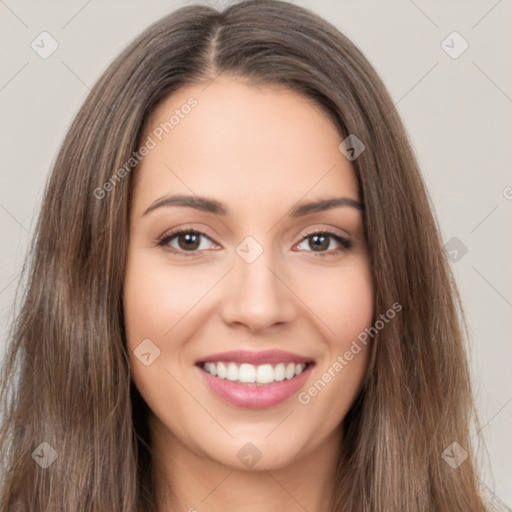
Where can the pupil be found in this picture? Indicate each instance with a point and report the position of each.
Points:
(320, 245)
(189, 237)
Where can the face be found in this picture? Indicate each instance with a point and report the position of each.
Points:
(241, 304)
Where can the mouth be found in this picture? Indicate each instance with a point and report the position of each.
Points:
(255, 380)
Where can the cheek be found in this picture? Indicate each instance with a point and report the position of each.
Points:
(161, 304)
(341, 300)
(156, 297)
(347, 309)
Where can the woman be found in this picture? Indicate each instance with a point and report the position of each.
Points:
(237, 297)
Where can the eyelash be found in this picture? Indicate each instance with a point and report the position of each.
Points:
(344, 242)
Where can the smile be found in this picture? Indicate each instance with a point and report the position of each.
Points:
(255, 380)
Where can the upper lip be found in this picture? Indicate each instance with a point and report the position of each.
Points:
(255, 358)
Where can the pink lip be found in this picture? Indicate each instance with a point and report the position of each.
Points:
(252, 396)
(246, 356)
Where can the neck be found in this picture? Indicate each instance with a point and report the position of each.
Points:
(200, 484)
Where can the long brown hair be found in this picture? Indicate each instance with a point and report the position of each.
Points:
(66, 375)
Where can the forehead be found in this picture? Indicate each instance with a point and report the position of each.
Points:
(250, 145)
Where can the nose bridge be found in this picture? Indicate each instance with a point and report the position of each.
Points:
(257, 295)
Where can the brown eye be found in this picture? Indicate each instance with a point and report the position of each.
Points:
(320, 241)
(187, 240)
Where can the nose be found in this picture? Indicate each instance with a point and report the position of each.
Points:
(257, 295)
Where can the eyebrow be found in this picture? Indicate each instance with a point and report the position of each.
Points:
(213, 206)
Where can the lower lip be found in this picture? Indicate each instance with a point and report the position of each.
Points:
(252, 396)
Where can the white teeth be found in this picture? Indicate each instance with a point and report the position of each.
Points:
(248, 373)
(279, 372)
(232, 372)
(211, 368)
(290, 371)
(221, 370)
(265, 374)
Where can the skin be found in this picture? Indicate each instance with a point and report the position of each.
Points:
(260, 150)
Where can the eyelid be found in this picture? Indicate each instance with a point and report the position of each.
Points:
(318, 229)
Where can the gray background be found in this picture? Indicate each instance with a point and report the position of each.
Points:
(457, 112)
